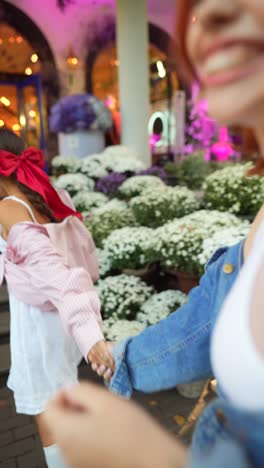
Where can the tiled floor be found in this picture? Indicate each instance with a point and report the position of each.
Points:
(19, 443)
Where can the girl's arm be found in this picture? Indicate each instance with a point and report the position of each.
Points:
(38, 275)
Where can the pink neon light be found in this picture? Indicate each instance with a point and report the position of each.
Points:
(222, 148)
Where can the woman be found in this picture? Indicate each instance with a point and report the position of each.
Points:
(49, 260)
(223, 44)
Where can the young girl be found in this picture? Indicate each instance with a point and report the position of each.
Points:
(48, 259)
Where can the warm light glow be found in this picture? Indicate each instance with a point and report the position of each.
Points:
(22, 120)
(19, 39)
(5, 101)
(34, 58)
(2, 123)
(1, 40)
(72, 59)
(11, 40)
(161, 69)
(28, 71)
(32, 113)
(16, 127)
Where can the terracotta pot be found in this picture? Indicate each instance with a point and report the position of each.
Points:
(145, 273)
(182, 281)
(186, 281)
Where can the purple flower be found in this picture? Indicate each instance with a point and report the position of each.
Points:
(110, 183)
(79, 112)
(156, 171)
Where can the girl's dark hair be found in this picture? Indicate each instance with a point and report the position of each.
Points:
(11, 142)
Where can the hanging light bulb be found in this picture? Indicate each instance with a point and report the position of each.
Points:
(2, 123)
(16, 127)
(34, 58)
(72, 59)
(32, 113)
(28, 71)
(5, 101)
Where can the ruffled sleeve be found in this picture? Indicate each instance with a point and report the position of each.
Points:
(38, 275)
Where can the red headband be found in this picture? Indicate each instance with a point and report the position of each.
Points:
(29, 171)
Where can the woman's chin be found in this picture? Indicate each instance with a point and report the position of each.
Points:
(237, 109)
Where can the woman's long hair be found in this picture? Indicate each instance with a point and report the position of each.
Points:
(12, 143)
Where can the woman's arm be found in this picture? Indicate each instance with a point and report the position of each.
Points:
(177, 350)
(38, 275)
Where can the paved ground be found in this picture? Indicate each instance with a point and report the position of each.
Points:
(19, 443)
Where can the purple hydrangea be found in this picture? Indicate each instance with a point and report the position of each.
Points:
(79, 112)
(110, 183)
(156, 171)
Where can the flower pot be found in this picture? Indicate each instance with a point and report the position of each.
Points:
(145, 273)
(81, 143)
(181, 280)
(186, 281)
(191, 390)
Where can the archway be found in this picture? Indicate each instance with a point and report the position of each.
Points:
(28, 73)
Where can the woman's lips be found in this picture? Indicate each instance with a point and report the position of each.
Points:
(230, 63)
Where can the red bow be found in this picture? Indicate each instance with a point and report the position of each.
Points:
(29, 171)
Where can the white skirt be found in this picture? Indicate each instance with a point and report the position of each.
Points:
(43, 358)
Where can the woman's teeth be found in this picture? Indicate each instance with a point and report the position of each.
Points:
(225, 60)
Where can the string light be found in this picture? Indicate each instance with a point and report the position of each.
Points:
(161, 69)
(5, 101)
(1, 41)
(19, 39)
(2, 123)
(11, 40)
(16, 127)
(32, 113)
(22, 119)
(28, 71)
(34, 58)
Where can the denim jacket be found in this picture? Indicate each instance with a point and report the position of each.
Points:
(177, 350)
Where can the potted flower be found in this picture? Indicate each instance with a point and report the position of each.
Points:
(80, 120)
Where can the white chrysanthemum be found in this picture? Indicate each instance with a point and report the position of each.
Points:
(93, 167)
(119, 158)
(130, 247)
(136, 185)
(64, 165)
(160, 306)
(157, 205)
(74, 183)
(104, 261)
(225, 237)
(231, 190)
(112, 205)
(122, 296)
(103, 222)
(121, 329)
(180, 242)
(86, 202)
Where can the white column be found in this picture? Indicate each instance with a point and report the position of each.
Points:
(134, 91)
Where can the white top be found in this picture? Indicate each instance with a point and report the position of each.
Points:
(238, 365)
(43, 358)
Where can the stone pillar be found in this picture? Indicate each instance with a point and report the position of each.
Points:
(134, 89)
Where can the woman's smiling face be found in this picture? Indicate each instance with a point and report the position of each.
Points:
(225, 44)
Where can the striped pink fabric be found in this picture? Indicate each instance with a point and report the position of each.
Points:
(43, 268)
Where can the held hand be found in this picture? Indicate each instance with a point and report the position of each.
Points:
(101, 360)
(95, 428)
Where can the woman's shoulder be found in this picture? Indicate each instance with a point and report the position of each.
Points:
(12, 213)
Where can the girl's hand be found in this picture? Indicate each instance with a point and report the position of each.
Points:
(101, 360)
(95, 428)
